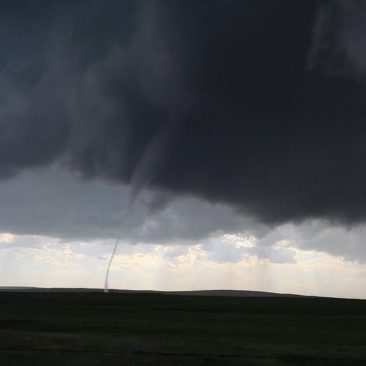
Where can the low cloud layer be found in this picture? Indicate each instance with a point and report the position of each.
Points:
(256, 105)
(54, 203)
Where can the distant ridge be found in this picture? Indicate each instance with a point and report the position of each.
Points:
(220, 293)
(230, 293)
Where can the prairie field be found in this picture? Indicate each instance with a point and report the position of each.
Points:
(94, 328)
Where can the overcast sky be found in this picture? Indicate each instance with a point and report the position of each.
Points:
(223, 141)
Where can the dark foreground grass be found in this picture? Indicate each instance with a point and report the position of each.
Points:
(154, 329)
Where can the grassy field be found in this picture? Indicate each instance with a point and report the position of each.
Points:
(154, 329)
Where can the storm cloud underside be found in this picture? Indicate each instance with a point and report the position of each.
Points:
(257, 104)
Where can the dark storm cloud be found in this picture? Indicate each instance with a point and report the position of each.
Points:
(255, 104)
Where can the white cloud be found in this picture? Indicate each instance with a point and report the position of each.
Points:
(6, 238)
(219, 263)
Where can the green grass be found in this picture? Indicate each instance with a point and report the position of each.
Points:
(154, 329)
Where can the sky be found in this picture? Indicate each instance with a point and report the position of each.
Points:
(223, 141)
